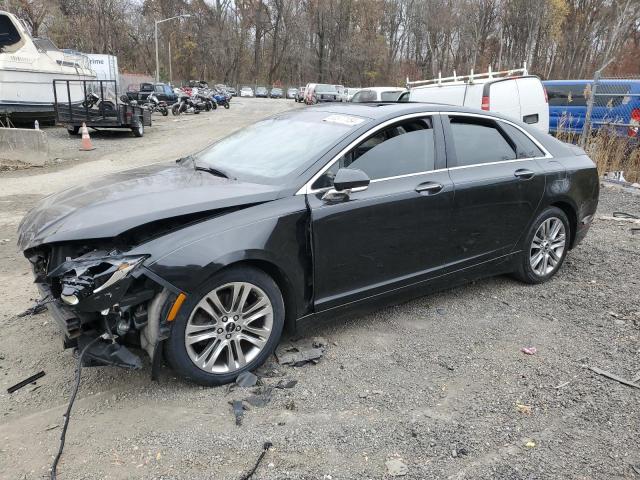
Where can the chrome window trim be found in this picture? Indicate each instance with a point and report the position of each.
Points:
(306, 188)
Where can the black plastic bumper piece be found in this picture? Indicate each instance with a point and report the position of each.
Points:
(107, 353)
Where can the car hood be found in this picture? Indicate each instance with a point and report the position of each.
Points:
(121, 201)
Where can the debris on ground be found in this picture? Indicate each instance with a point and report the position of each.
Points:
(238, 411)
(290, 405)
(612, 376)
(261, 398)
(38, 307)
(529, 350)
(269, 369)
(246, 379)
(530, 444)
(265, 448)
(396, 467)
(282, 384)
(26, 382)
(526, 409)
(301, 352)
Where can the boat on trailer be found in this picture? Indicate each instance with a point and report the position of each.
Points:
(28, 67)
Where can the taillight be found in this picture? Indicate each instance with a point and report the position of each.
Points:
(485, 103)
(546, 97)
(634, 121)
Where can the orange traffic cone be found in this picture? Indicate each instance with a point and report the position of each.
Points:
(86, 140)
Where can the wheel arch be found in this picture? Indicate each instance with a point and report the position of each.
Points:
(282, 280)
(570, 211)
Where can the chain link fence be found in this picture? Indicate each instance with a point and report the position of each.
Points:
(601, 115)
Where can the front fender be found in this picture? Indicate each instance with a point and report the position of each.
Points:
(273, 233)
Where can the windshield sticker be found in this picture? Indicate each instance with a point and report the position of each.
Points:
(344, 120)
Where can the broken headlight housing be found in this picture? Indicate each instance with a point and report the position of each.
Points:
(101, 280)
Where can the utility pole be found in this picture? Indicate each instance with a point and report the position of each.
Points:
(186, 15)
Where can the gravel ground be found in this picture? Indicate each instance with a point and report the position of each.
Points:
(439, 382)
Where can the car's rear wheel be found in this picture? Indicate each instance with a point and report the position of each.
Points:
(546, 246)
(232, 325)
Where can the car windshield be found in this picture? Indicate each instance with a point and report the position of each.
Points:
(271, 149)
(321, 88)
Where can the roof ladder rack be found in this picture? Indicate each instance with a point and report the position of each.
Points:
(469, 78)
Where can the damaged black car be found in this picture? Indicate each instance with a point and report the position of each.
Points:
(307, 214)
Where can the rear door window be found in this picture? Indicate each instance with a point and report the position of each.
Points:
(404, 148)
(479, 141)
(525, 148)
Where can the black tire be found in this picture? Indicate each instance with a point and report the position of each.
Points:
(165, 112)
(73, 130)
(175, 109)
(226, 105)
(138, 131)
(525, 271)
(175, 349)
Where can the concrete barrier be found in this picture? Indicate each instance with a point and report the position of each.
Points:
(24, 145)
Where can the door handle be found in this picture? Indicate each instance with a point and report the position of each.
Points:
(524, 174)
(429, 188)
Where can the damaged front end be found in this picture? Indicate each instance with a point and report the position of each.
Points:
(92, 291)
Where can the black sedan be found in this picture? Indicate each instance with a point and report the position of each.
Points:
(303, 215)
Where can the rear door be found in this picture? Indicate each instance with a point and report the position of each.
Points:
(498, 186)
(395, 232)
(504, 98)
(534, 109)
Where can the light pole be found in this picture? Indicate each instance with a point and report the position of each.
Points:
(186, 15)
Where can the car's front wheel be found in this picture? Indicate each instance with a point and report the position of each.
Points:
(232, 325)
(545, 247)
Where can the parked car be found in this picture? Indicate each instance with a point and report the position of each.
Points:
(162, 91)
(232, 91)
(246, 92)
(292, 93)
(377, 94)
(342, 93)
(262, 92)
(276, 93)
(617, 102)
(350, 92)
(300, 94)
(205, 260)
(514, 93)
(321, 92)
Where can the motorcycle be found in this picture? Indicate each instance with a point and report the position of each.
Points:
(186, 105)
(105, 107)
(155, 105)
(221, 99)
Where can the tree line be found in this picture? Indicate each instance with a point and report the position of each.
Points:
(349, 42)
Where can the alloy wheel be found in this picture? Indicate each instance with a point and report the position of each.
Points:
(547, 246)
(229, 327)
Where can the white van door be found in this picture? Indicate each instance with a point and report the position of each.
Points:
(449, 94)
(533, 104)
(504, 98)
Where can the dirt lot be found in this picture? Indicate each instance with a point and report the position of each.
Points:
(439, 382)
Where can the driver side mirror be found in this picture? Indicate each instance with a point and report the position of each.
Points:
(346, 181)
(350, 179)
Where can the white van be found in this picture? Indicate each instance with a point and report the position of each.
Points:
(513, 93)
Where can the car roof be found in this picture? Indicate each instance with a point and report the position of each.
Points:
(601, 81)
(383, 110)
(382, 89)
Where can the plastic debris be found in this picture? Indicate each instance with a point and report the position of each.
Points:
(26, 382)
(238, 411)
(396, 467)
(246, 379)
(529, 350)
(282, 384)
(300, 352)
(530, 444)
